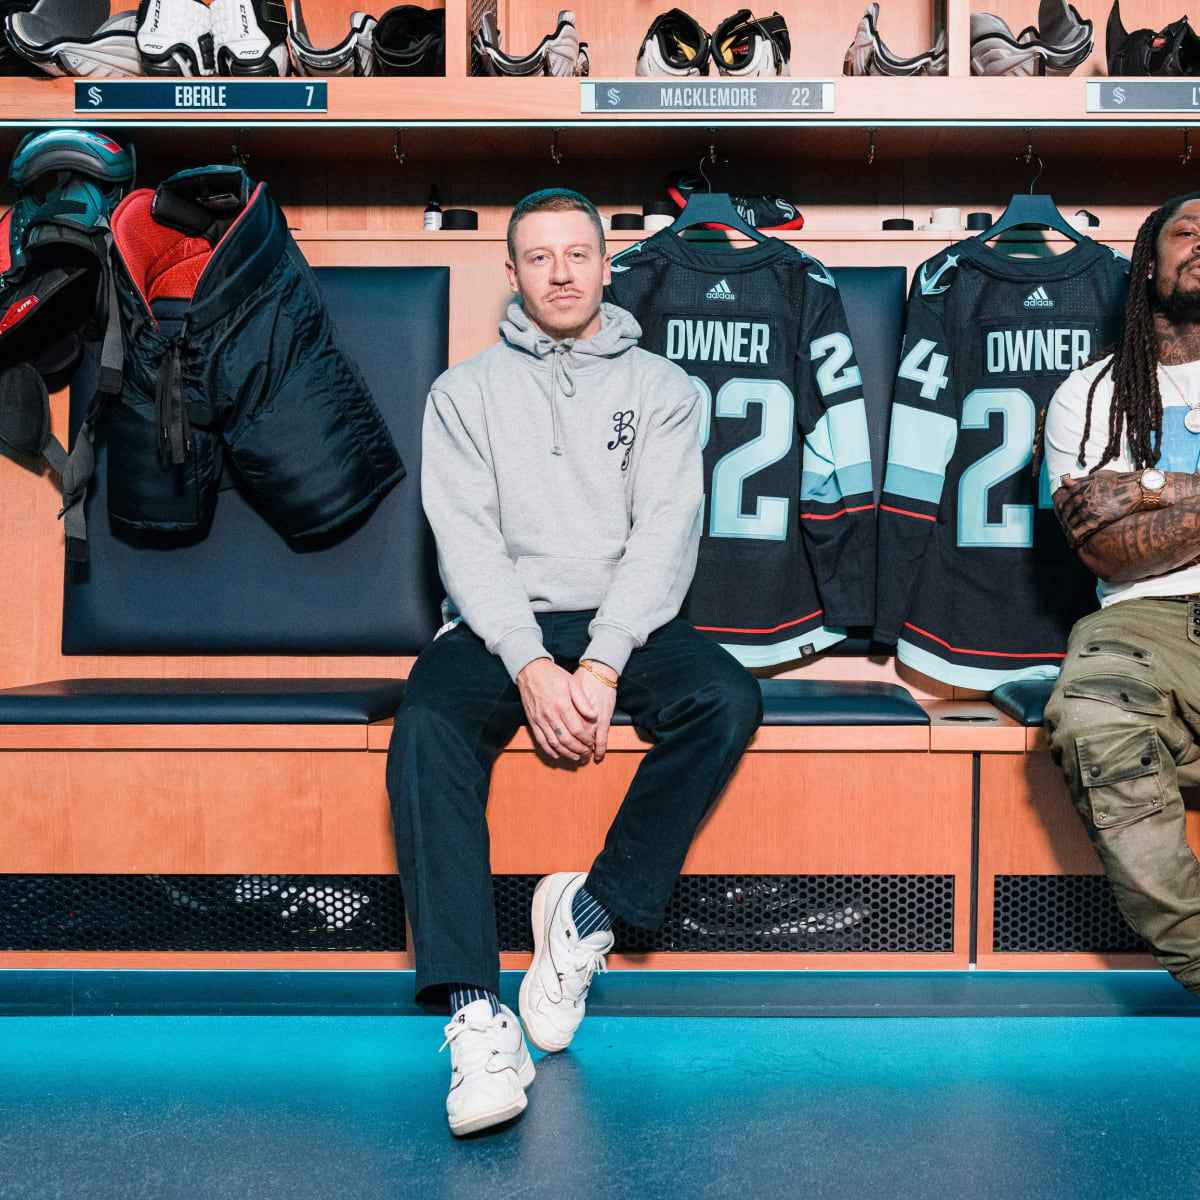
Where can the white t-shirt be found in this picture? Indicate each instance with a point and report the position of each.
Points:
(1180, 452)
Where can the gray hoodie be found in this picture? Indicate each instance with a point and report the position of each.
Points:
(560, 476)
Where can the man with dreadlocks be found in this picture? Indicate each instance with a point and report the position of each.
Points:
(1122, 450)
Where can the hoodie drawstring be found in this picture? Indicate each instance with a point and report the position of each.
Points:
(559, 379)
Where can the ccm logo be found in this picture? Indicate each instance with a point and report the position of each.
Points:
(16, 312)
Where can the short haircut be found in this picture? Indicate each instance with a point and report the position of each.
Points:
(552, 200)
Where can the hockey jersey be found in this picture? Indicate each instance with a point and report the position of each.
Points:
(977, 585)
(787, 547)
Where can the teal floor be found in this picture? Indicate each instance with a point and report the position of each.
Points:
(322, 1106)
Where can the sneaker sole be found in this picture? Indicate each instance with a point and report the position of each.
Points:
(526, 1072)
(537, 918)
(485, 1120)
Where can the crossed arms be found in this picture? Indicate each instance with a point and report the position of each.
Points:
(1116, 538)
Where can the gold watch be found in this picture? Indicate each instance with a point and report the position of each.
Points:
(1152, 482)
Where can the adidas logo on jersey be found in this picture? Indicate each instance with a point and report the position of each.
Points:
(720, 291)
(1038, 299)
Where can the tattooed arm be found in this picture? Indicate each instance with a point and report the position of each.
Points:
(1089, 504)
(1118, 541)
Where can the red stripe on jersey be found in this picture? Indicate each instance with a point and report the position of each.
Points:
(987, 653)
(774, 629)
(905, 513)
(841, 512)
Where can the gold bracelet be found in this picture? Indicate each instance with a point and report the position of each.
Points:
(604, 679)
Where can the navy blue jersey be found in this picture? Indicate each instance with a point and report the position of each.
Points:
(788, 540)
(976, 582)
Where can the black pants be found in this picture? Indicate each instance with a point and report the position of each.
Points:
(699, 705)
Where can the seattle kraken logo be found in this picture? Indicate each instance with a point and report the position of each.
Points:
(929, 284)
(623, 428)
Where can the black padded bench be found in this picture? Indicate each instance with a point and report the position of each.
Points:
(361, 701)
(1024, 700)
(242, 590)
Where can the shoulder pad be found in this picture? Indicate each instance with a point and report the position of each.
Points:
(80, 150)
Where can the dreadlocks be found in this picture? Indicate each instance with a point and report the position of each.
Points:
(1136, 413)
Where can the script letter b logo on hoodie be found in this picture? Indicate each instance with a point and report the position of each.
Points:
(623, 428)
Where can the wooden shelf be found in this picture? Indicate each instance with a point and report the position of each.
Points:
(945, 103)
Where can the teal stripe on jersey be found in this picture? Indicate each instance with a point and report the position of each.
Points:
(979, 678)
(921, 440)
(856, 480)
(817, 479)
(812, 642)
(916, 485)
(819, 485)
(848, 435)
(837, 455)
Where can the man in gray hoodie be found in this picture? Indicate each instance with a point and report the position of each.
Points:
(562, 477)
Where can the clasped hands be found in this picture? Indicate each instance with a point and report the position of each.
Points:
(569, 714)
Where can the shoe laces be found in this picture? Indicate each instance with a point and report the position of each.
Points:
(457, 1029)
(582, 962)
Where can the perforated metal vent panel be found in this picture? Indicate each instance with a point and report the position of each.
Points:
(865, 913)
(201, 912)
(1063, 913)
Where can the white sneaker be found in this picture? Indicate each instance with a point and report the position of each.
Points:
(554, 990)
(490, 1067)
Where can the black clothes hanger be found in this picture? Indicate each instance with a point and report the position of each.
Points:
(712, 208)
(1031, 209)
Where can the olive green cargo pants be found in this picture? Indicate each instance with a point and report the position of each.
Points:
(1124, 716)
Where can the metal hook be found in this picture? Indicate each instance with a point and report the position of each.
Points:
(710, 157)
(240, 157)
(1030, 157)
(870, 146)
(1185, 157)
(398, 149)
(555, 152)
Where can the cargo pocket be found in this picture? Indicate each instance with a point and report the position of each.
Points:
(1122, 691)
(1116, 648)
(1119, 770)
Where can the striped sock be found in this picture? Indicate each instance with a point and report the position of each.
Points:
(461, 995)
(589, 915)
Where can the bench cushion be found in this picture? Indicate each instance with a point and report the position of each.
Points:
(201, 702)
(823, 702)
(242, 589)
(350, 701)
(874, 300)
(1024, 699)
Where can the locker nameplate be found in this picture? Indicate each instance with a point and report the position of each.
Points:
(200, 95)
(1151, 95)
(742, 96)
